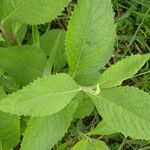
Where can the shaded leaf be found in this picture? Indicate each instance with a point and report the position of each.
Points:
(42, 133)
(23, 63)
(9, 128)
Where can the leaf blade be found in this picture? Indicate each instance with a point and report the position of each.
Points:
(126, 110)
(9, 127)
(23, 63)
(24, 11)
(45, 129)
(122, 70)
(90, 39)
(45, 96)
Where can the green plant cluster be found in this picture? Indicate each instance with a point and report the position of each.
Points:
(52, 80)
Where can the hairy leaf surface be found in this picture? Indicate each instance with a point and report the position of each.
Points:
(122, 70)
(45, 96)
(90, 39)
(42, 133)
(126, 110)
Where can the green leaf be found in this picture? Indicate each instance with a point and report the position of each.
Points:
(42, 133)
(85, 107)
(101, 129)
(9, 128)
(122, 70)
(52, 43)
(1, 38)
(23, 63)
(90, 39)
(91, 144)
(13, 31)
(33, 12)
(126, 110)
(45, 96)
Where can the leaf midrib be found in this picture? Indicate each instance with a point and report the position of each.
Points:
(83, 42)
(129, 111)
(24, 3)
(51, 94)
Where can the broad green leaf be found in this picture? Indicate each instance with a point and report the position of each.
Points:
(9, 128)
(14, 31)
(52, 43)
(122, 70)
(90, 39)
(92, 144)
(42, 133)
(32, 11)
(101, 129)
(23, 63)
(126, 110)
(85, 107)
(45, 96)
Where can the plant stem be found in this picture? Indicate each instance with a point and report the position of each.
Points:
(35, 36)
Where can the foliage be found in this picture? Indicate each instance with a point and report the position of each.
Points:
(56, 80)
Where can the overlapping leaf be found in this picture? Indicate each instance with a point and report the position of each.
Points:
(42, 133)
(122, 70)
(45, 96)
(126, 110)
(32, 11)
(52, 43)
(85, 107)
(9, 128)
(23, 63)
(90, 39)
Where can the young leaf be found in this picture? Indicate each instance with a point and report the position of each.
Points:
(45, 96)
(33, 11)
(23, 63)
(92, 144)
(90, 39)
(126, 110)
(122, 70)
(9, 128)
(42, 133)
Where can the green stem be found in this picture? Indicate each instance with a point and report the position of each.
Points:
(35, 36)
